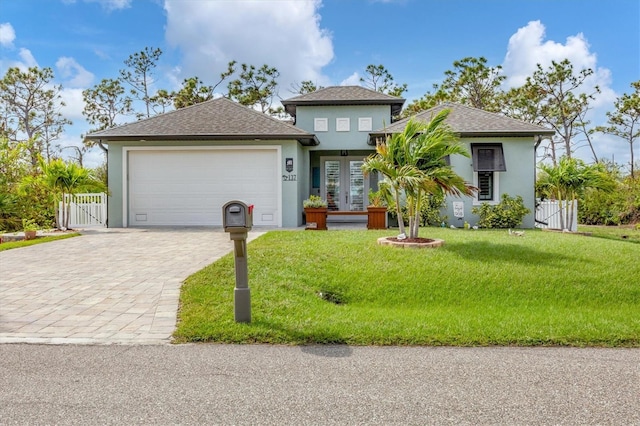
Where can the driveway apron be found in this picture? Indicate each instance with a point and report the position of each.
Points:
(104, 287)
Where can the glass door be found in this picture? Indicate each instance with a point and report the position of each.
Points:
(344, 186)
(355, 200)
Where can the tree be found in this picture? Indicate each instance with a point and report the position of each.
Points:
(427, 101)
(31, 107)
(414, 164)
(587, 132)
(103, 104)
(140, 75)
(378, 78)
(194, 91)
(567, 180)
(255, 87)
(14, 166)
(79, 151)
(624, 122)
(561, 104)
(162, 101)
(307, 86)
(473, 83)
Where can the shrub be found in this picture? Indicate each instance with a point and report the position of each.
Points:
(506, 214)
(619, 207)
(430, 210)
(314, 201)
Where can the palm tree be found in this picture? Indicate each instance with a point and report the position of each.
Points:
(569, 179)
(414, 164)
(67, 179)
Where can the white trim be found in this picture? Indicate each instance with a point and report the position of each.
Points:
(125, 169)
(496, 190)
(320, 124)
(343, 124)
(365, 124)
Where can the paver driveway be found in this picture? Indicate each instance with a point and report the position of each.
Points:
(107, 286)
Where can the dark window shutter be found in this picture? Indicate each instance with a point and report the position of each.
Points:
(488, 158)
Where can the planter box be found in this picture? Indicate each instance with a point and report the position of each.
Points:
(376, 217)
(30, 235)
(316, 218)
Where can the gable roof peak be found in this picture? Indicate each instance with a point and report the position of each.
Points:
(343, 95)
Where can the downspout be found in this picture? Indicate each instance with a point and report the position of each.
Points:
(106, 153)
(538, 141)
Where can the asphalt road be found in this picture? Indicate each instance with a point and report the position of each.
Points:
(316, 385)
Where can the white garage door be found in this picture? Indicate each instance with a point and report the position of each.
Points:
(189, 187)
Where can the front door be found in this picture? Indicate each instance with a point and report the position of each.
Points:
(344, 186)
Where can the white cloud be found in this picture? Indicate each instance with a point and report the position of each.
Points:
(528, 47)
(73, 104)
(26, 60)
(75, 75)
(284, 34)
(7, 35)
(110, 5)
(352, 80)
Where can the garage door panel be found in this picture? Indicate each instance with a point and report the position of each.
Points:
(190, 187)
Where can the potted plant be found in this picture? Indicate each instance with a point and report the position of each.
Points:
(30, 228)
(315, 209)
(376, 210)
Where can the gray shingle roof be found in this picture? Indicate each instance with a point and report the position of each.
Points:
(215, 119)
(469, 121)
(343, 95)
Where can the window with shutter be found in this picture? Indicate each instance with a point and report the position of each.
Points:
(488, 158)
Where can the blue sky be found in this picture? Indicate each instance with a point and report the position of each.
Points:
(330, 42)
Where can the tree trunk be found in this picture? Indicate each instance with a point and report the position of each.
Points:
(416, 216)
(632, 167)
(399, 212)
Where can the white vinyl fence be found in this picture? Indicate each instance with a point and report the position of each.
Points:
(550, 215)
(85, 210)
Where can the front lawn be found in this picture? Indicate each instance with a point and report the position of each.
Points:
(26, 243)
(482, 288)
(623, 232)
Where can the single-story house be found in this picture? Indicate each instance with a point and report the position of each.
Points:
(502, 161)
(180, 168)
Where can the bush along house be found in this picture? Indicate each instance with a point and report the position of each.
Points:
(181, 167)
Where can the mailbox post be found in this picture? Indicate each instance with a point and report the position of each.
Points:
(237, 219)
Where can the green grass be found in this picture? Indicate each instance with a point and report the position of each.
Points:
(481, 288)
(623, 232)
(39, 240)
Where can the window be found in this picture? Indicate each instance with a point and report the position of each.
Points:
(320, 125)
(488, 160)
(488, 157)
(343, 124)
(485, 186)
(365, 124)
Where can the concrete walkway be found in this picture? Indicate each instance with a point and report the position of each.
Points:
(107, 286)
